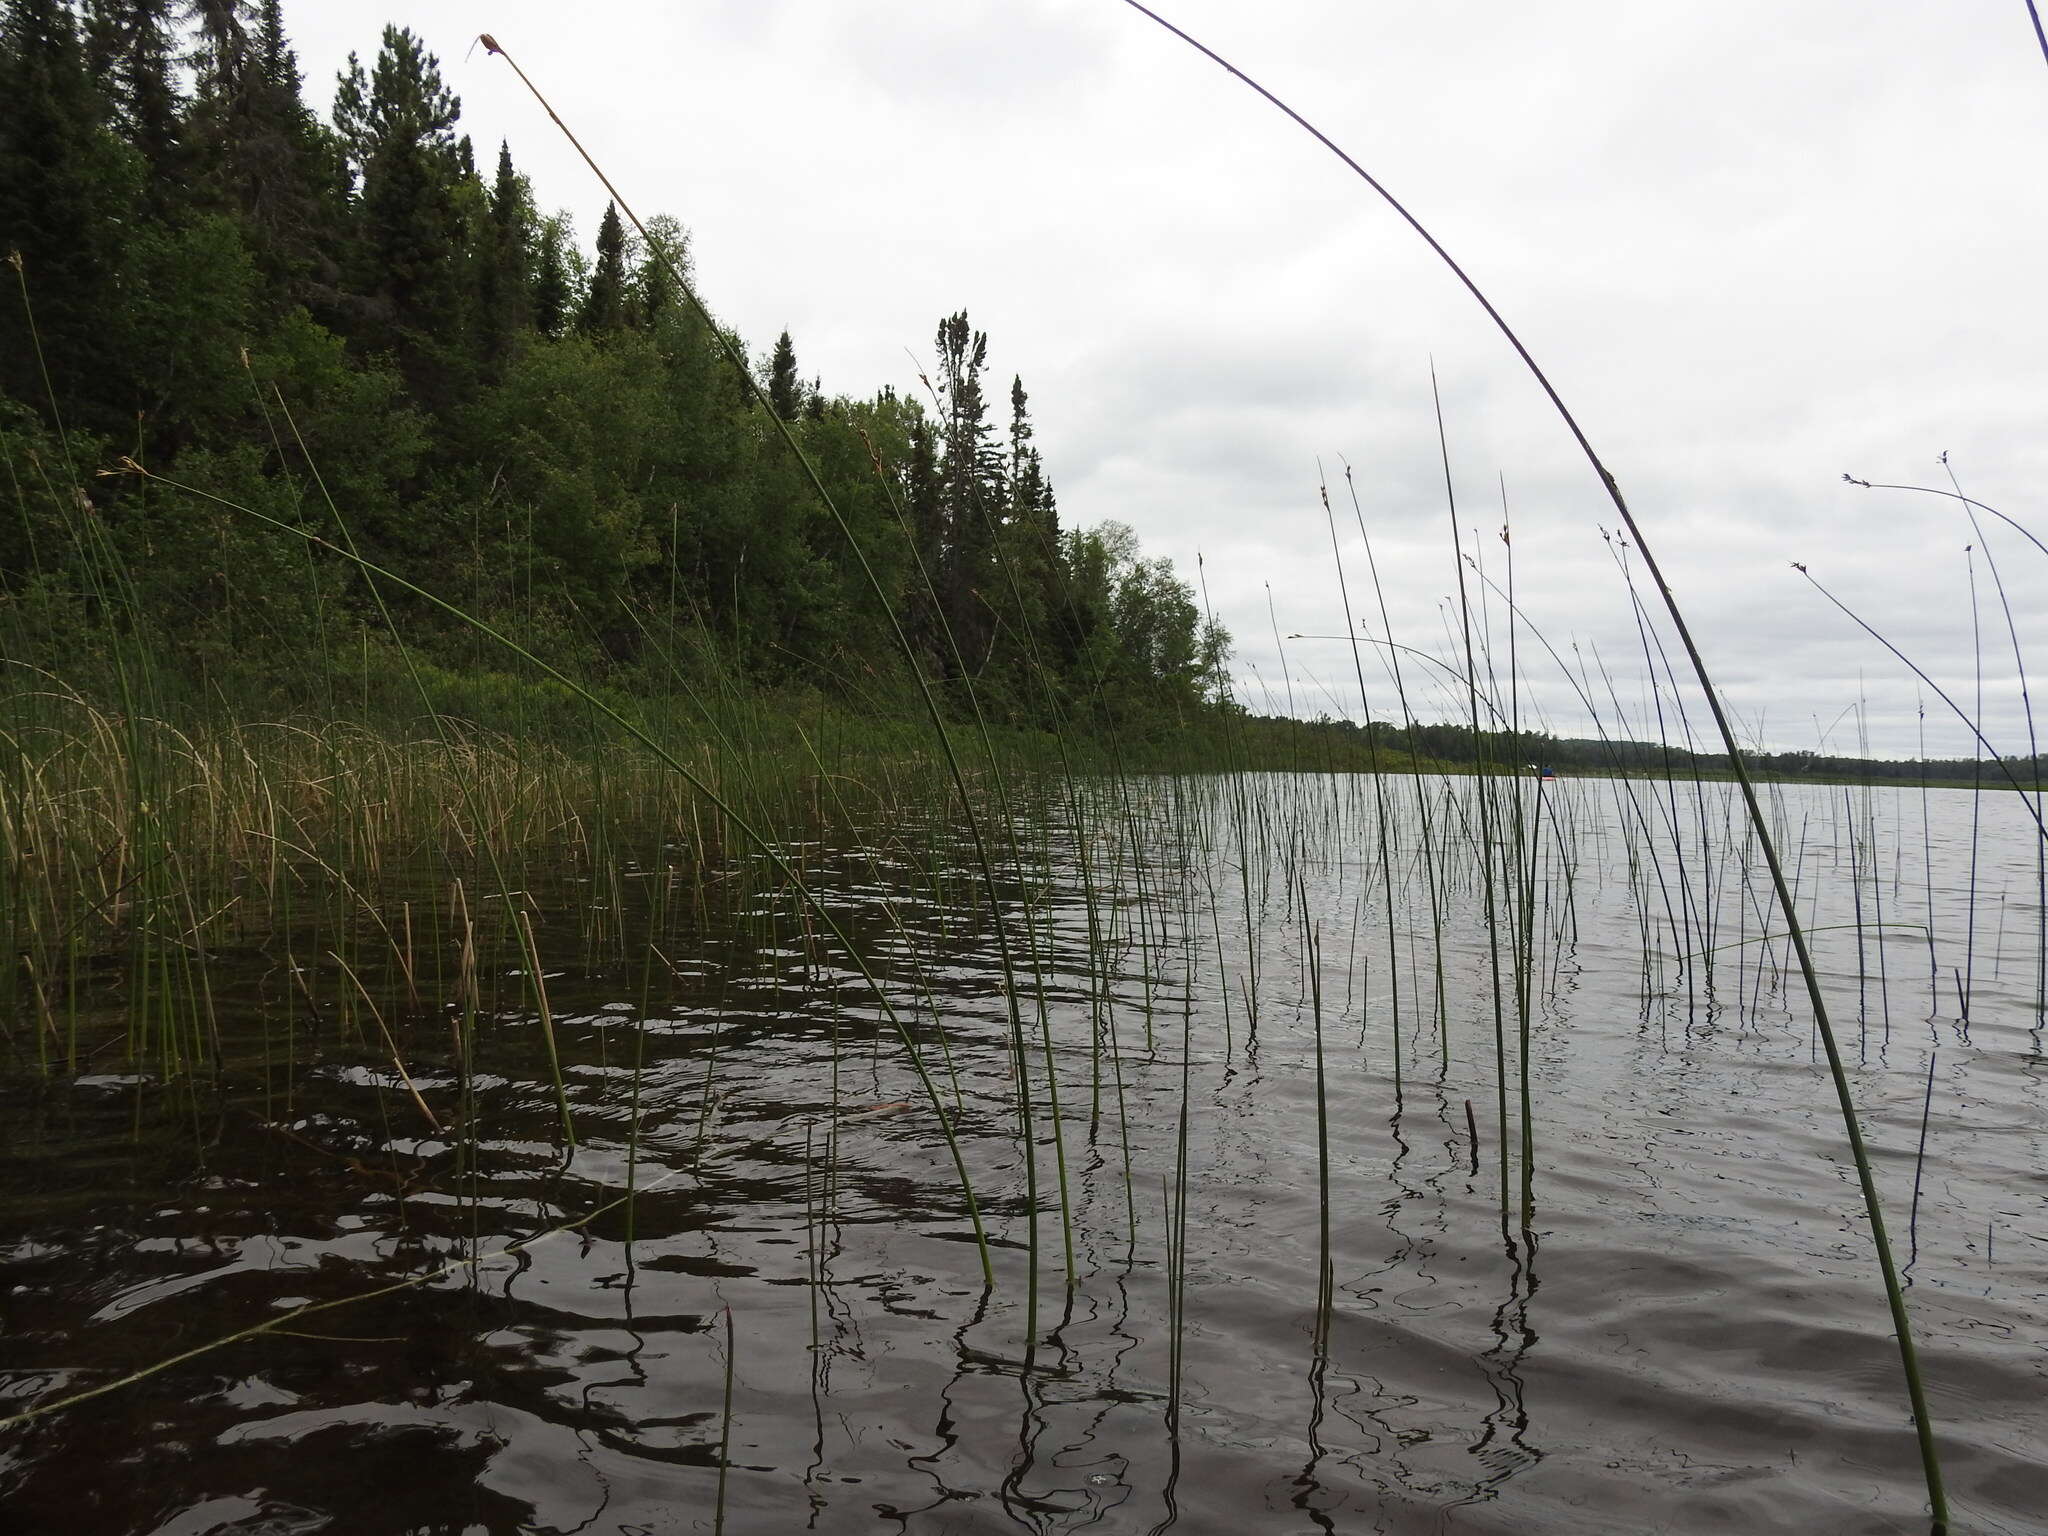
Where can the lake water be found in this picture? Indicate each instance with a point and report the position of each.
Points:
(788, 1329)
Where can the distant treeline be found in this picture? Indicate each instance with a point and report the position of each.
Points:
(354, 326)
(1272, 741)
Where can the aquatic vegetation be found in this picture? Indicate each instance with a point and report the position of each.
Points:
(786, 1111)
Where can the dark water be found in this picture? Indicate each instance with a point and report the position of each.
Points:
(1688, 1335)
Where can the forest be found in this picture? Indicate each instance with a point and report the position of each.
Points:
(230, 312)
(1326, 742)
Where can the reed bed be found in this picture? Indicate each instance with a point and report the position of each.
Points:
(1168, 934)
(728, 946)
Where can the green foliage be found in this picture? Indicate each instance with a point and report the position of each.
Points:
(68, 189)
(652, 296)
(1136, 631)
(556, 276)
(192, 297)
(785, 389)
(365, 437)
(505, 275)
(137, 42)
(238, 601)
(604, 301)
(347, 329)
(397, 126)
(40, 539)
(575, 428)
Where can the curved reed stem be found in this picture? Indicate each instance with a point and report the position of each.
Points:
(769, 850)
(976, 835)
(1930, 1461)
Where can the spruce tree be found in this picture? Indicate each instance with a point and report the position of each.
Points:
(970, 488)
(147, 97)
(554, 288)
(505, 266)
(99, 36)
(925, 514)
(785, 389)
(67, 190)
(274, 54)
(1031, 505)
(604, 302)
(1032, 531)
(221, 60)
(129, 55)
(253, 149)
(1023, 457)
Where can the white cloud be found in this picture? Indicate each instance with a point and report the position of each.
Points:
(1756, 245)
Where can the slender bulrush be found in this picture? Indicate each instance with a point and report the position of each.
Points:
(1909, 1361)
(768, 847)
(730, 348)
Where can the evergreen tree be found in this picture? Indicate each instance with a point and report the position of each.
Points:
(970, 489)
(131, 50)
(397, 126)
(1031, 536)
(554, 285)
(100, 37)
(1032, 507)
(67, 188)
(785, 389)
(604, 302)
(254, 150)
(223, 56)
(924, 511)
(505, 267)
(274, 55)
(1026, 473)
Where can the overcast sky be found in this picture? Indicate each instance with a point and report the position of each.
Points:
(1755, 244)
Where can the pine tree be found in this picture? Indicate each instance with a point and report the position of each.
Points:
(604, 302)
(785, 389)
(397, 127)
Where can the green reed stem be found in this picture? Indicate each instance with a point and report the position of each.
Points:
(742, 824)
(753, 386)
(1930, 1460)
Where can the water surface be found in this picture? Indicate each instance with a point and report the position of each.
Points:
(1687, 1334)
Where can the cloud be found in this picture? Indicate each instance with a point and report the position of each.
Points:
(1755, 245)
